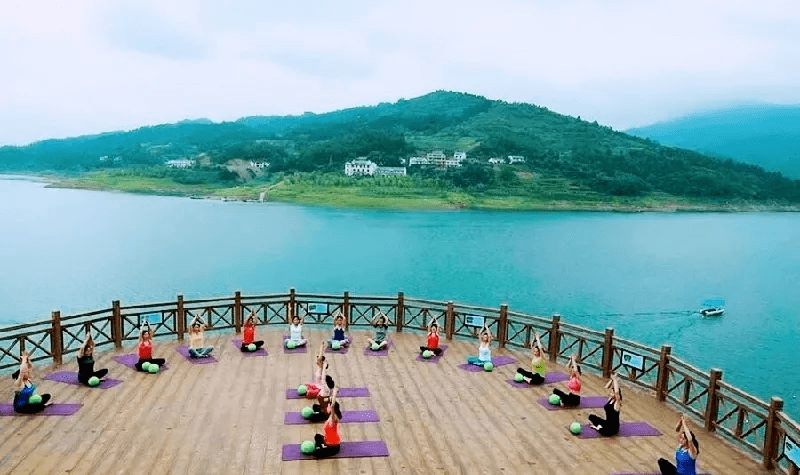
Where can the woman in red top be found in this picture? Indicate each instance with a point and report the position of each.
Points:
(146, 349)
(249, 334)
(573, 398)
(328, 443)
(433, 339)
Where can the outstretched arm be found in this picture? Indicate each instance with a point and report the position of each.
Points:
(688, 434)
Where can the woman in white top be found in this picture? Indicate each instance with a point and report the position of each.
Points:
(197, 340)
(484, 349)
(295, 334)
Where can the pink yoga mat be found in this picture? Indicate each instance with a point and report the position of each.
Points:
(367, 448)
(248, 354)
(65, 409)
(295, 418)
(382, 352)
(587, 402)
(626, 429)
(434, 358)
(184, 351)
(291, 393)
(549, 378)
(130, 361)
(71, 377)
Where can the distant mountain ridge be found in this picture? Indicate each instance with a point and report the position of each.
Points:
(586, 156)
(763, 135)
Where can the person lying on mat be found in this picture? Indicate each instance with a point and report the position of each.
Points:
(249, 335)
(573, 398)
(484, 348)
(432, 344)
(610, 425)
(197, 339)
(536, 374)
(322, 409)
(686, 453)
(339, 336)
(86, 362)
(145, 349)
(328, 443)
(295, 333)
(381, 324)
(319, 373)
(26, 401)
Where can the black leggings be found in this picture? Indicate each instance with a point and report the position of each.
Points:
(321, 450)
(605, 430)
(258, 344)
(666, 467)
(33, 408)
(436, 351)
(84, 377)
(535, 378)
(568, 399)
(157, 361)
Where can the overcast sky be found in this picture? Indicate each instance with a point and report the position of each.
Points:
(87, 66)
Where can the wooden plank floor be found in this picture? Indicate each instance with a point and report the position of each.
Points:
(228, 418)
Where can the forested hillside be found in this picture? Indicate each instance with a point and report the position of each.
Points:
(585, 157)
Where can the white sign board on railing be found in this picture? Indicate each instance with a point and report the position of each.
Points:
(633, 360)
(791, 450)
(474, 321)
(152, 319)
(318, 308)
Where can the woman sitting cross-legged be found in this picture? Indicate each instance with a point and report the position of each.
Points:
(86, 362)
(610, 425)
(432, 343)
(26, 401)
(573, 398)
(536, 374)
(197, 339)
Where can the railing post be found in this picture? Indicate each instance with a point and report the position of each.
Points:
(180, 319)
(502, 324)
(555, 338)
(291, 305)
(237, 311)
(449, 320)
(21, 343)
(712, 406)
(771, 433)
(55, 338)
(662, 380)
(116, 324)
(608, 352)
(401, 310)
(346, 308)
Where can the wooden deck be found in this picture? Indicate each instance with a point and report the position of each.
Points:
(228, 418)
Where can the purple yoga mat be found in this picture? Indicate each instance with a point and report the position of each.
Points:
(184, 351)
(342, 350)
(382, 352)
(496, 361)
(130, 361)
(549, 378)
(434, 358)
(367, 448)
(343, 392)
(295, 418)
(626, 429)
(71, 377)
(248, 354)
(297, 349)
(587, 402)
(65, 409)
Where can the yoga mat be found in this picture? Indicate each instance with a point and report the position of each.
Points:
(341, 350)
(237, 342)
(295, 418)
(496, 361)
(130, 361)
(434, 358)
(184, 351)
(626, 429)
(382, 352)
(66, 409)
(549, 378)
(71, 377)
(291, 393)
(367, 448)
(587, 402)
(297, 349)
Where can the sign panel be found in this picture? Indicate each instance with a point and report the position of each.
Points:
(318, 308)
(633, 360)
(474, 321)
(791, 450)
(151, 319)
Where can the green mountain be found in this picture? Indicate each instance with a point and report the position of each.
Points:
(588, 157)
(763, 135)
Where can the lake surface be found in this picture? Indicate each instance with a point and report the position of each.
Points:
(643, 274)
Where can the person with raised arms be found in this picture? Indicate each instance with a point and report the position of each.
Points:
(573, 397)
(86, 364)
(145, 350)
(197, 339)
(432, 342)
(295, 334)
(249, 335)
(339, 338)
(26, 401)
(329, 442)
(537, 372)
(484, 348)
(610, 425)
(686, 453)
(381, 324)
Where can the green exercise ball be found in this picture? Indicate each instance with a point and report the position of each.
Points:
(336, 345)
(146, 366)
(94, 381)
(306, 412)
(488, 366)
(519, 378)
(575, 428)
(375, 347)
(307, 447)
(302, 390)
(427, 354)
(251, 347)
(291, 345)
(35, 399)
(554, 399)
(153, 368)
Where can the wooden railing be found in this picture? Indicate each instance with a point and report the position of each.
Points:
(758, 428)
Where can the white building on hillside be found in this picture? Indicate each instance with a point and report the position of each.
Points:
(496, 161)
(418, 161)
(180, 163)
(360, 166)
(390, 171)
(516, 159)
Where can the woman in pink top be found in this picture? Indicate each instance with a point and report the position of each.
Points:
(573, 398)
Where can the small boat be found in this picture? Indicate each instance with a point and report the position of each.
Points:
(713, 308)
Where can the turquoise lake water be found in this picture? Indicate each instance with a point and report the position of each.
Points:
(643, 274)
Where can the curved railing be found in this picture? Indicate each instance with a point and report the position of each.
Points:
(758, 428)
